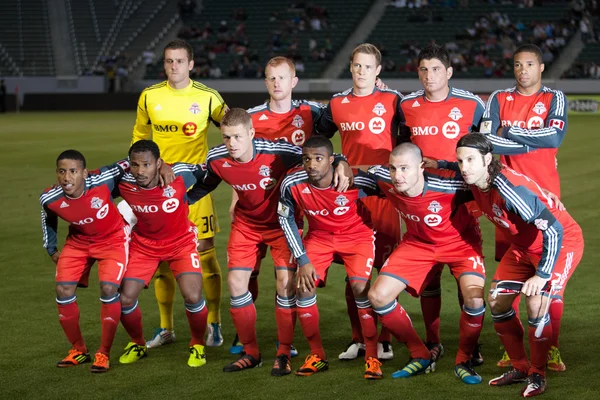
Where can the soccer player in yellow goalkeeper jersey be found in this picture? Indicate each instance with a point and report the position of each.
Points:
(177, 114)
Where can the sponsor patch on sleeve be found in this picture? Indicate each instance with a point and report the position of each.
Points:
(283, 210)
(486, 127)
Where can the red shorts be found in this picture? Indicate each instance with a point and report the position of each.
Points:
(247, 243)
(415, 263)
(386, 224)
(77, 257)
(147, 254)
(518, 265)
(356, 252)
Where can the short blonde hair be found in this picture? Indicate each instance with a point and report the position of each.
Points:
(237, 116)
(279, 60)
(367, 48)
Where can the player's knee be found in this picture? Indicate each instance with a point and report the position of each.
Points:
(474, 301)
(359, 288)
(500, 304)
(237, 283)
(108, 290)
(63, 291)
(376, 298)
(192, 298)
(535, 307)
(205, 244)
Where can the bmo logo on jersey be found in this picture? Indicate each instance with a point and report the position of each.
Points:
(170, 205)
(314, 213)
(352, 126)
(451, 130)
(145, 209)
(298, 137)
(534, 122)
(410, 217)
(267, 183)
(244, 187)
(84, 221)
(432, 220)
(102, 212)
(425, 130)
(377, 125)
(341, 210)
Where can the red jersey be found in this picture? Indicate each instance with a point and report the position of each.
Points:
(325, 209)
(294, 126)
(162, 212)
(370, 126)
(92, 216)
(256, 182)
(437, 126)
(533, 127)
(527, 217)
(438, 215)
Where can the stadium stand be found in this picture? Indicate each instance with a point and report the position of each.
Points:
(25, 44)
(233, 40)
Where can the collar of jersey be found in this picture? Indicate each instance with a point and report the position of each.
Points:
(440, 101)
(183, 91)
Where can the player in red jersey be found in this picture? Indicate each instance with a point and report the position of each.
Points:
(97, 232)
(280, 118)
(527, 124)
(370, 122)
(163, 233)
(255, 168)
(335, 227)
(546, 247)
(440, 230)
(438, 116)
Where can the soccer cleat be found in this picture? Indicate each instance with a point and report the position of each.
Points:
(555, 363)
(312, 364)
(214, 338)
(101, 363)
(476, 356)
(246, 361)
(197, 356)
(133, 352)
(465, 372)
(510, 377)
(282, 366)
(161, 336)
(353, 351)
(236, 347)
(536, 385)
(75, 357)
(415, 366)
(373, 369)
(385, 351)
(436, 350)
(293, 351)
(504, 362)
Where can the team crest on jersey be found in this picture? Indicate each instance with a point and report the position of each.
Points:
(435, 207)
(539, 108)
(265, 170)
(195, 108)
(455, 114)
(341, 200)
(96, 203)
(169, 192)
(497, 211)
(379, 109)
(298, 121)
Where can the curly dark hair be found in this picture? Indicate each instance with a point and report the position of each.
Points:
(481, 143)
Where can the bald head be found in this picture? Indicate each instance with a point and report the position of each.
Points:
(408, 151)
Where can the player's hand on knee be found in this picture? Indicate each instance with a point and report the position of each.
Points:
(165, 175)
(533, 286)
(306, 277)
(55, 257)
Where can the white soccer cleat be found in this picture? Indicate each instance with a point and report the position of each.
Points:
(214, 338)
(161, 336)
(385, 351)
(353, 351)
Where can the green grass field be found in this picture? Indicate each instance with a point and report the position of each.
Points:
(32, 340)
